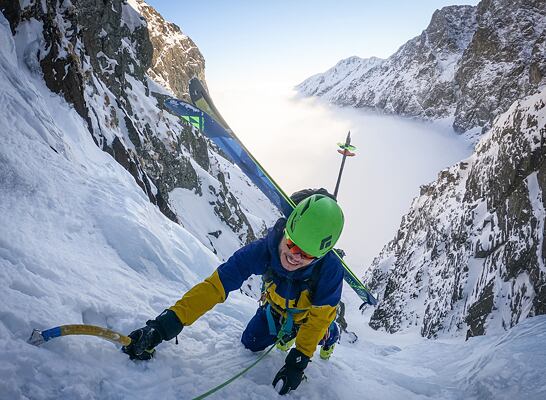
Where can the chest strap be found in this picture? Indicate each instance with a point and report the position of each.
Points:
(287, 324)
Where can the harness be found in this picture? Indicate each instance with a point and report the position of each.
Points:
(286, 332)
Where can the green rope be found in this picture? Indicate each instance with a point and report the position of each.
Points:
(215, 389)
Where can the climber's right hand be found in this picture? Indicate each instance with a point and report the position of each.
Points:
(143, 343)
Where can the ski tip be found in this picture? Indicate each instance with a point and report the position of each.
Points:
(36, 338)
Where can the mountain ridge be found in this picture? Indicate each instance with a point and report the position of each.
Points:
(470, 64)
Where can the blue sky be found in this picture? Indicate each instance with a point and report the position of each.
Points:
(289, 41)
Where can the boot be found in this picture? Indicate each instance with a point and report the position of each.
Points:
(285, 346)
(326, 351)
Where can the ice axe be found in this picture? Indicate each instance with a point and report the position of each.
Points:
(39, 337)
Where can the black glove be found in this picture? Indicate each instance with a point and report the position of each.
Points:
(142, 344)
(292, 373)
(143, 340)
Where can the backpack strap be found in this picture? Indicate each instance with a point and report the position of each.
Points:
(311, 283)
(267, 277)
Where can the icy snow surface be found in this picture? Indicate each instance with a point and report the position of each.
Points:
(80, 242)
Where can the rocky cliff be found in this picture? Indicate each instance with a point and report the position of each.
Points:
(469, 257)
(114, 61)
(469, 64)
(176, 59)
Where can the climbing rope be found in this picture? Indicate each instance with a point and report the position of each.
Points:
(222, 385)
(286, 327)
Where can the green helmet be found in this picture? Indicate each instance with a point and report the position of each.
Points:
(315, 225)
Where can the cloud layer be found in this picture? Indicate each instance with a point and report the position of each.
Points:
(295, 140)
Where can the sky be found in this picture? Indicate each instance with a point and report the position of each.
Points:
(288, 41)
(256, 52)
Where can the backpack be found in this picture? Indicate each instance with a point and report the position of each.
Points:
(300, 195)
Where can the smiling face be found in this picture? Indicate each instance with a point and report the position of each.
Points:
(291, 261)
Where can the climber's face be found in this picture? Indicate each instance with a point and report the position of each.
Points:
(292, 258)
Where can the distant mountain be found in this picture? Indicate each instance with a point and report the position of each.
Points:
(115, 62)
(469, 64)
(336, 81)
(470, 257)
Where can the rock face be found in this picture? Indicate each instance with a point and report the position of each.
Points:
(469, 64)
(469, 257)
(176, 58)
(505, 61)
(103, 57)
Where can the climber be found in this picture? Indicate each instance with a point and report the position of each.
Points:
(302, 283)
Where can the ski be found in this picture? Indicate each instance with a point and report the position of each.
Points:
(204, 116)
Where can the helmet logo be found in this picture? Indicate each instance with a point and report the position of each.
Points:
(326, 242)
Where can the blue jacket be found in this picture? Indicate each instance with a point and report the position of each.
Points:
(283, 289)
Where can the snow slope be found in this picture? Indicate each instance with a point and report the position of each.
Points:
(80, 242)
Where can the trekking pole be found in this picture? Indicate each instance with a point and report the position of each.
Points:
(346, 150)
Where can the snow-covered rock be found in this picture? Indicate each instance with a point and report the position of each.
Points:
(469, 64)
(103, 58)
(337, 79)
(504, 62)
(176, 59)
(469, 256)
